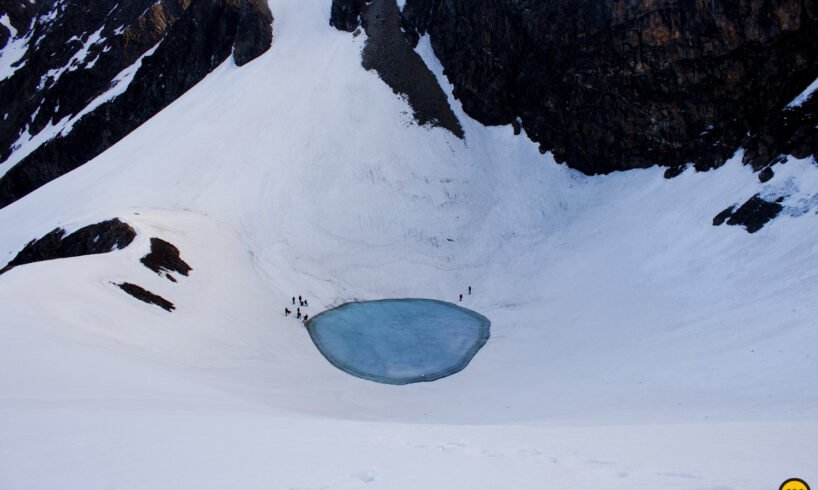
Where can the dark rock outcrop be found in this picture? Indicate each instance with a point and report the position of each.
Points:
(792, 131)
(388, 52)
(76, 51)
(345, 14)
(620, 84)
(57, 78)
(752, 215)
(720, 218)
(766, 175)
(164, 258)
(143, 294)
(254, 34)
(92, 239)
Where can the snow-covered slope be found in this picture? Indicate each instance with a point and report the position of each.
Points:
(633, 343)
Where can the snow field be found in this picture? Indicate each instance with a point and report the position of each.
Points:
(632, 342)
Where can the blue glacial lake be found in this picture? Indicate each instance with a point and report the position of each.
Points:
(399, 341)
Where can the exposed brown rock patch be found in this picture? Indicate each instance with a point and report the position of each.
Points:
(164, 258)
(390, 54)
(92, 239)
(143, 294)
(619, 84)
(752, 215)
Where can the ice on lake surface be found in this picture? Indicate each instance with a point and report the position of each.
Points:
(399, 341)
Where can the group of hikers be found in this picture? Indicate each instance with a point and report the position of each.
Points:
(302, 303)
(461, 294)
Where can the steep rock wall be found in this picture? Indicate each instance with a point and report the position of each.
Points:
(74, 53)
(621, 84)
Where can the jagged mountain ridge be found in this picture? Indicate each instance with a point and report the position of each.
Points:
(618, 84)
(64, 103)
(607, 86)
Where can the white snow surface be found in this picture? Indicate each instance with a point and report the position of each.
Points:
(5, 21)
(13, 51)
(634, 345)
(804, 96)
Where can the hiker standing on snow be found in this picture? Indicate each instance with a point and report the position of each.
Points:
(469, 290)
(287, 311)
(461, 297)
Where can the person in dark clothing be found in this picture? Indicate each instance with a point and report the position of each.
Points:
(469, 290)
(306, 318)
(461, 297)
(293, 300)
(305, 302)
(287, 312)
(298, 314)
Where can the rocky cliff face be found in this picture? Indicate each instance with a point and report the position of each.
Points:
(393, 57)
(79, 76)
(98, 238)
(389, 50)
(621, 84)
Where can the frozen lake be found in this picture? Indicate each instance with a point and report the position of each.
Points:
(399, 341)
